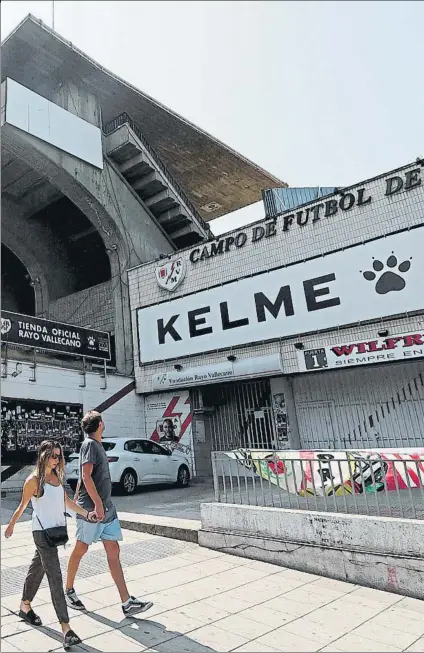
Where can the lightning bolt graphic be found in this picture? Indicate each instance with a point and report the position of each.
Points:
(169, 412)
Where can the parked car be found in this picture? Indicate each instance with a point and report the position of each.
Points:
(137, 462)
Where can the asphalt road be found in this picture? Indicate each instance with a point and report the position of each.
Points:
(166, 501)
(184, 503)
(162, 500)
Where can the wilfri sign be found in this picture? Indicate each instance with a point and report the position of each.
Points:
(365, 282)
(383, 350)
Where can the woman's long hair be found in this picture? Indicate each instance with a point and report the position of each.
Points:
(45, 451)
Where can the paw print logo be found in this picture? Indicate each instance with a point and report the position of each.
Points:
(389, 280)
(91, 341)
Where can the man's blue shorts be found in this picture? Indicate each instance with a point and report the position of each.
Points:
(89, 533)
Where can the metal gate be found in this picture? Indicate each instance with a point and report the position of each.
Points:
(240, 415)
(363, 407)
(319, 415)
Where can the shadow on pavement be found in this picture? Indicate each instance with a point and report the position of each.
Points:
(58, 637)
(152, 634)
(8, 507)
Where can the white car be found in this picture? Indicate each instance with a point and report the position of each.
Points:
(137, 462)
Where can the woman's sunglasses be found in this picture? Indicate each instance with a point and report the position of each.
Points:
(56, 456)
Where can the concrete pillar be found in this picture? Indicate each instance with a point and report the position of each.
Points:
(121, 302)
(283, 403)
(202, 443)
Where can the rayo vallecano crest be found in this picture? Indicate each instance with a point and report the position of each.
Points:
(171, 274)
(6, 325)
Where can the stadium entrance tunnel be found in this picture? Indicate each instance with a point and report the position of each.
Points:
(17, 294)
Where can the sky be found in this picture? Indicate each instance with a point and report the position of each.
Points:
(316, 93)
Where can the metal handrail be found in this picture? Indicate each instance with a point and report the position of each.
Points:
(123, 119)
(353, 482)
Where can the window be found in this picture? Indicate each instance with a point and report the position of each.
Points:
(145, 446)
(159, 451)
(108, 446)
(134, 446)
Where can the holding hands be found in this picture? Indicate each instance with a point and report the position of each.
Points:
(99, 511)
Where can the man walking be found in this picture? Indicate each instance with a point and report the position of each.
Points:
(94, 494)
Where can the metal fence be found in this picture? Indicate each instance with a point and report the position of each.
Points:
(379, 484)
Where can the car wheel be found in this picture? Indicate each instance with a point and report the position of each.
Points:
(183, 477)
(128, 483)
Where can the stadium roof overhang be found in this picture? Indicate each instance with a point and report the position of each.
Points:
(216, 179)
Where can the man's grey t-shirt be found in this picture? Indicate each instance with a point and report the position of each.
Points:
(93, 452)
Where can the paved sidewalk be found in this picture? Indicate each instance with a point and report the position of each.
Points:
(207, 601)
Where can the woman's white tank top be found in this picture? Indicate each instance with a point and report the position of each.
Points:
(50, 508)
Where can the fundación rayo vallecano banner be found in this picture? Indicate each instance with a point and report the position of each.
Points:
(365, 282)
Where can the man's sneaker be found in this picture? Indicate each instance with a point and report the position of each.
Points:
(134, 606)
(73, 601)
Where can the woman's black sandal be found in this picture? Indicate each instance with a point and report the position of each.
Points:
(70, 639)
(30, 617)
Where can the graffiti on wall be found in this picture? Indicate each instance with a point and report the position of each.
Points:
(169, 421)
(320, 473)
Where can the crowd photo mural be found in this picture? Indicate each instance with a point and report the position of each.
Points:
(325, 473)
(169, 421)
(25, 423)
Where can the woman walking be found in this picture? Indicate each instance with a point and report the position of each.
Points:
(45, 488)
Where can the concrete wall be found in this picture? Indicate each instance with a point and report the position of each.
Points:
(79, 101)
(174, 406)
(123, 208)
(92, 306)
(123, 419)
(384, 553)
(107, 200)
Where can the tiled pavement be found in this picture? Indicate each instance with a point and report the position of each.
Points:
(207, 601)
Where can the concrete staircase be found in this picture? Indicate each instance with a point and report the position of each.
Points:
(150, 179)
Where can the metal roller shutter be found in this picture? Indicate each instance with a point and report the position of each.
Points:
(381, 406)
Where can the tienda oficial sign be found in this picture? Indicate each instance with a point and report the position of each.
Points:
(48, 335)
(383, 350)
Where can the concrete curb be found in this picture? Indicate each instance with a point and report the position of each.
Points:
(186, 530)
(384, 553)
